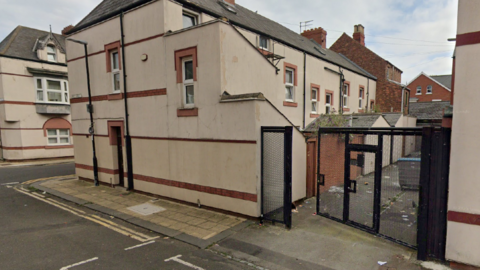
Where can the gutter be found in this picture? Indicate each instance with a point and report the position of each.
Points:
(305, 86)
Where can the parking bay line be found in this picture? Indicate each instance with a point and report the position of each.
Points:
(178, 260)
(13, 183)
(79, 263)
(141, 245)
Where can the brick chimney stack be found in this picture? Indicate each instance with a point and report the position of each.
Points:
(359, 34)
(231, 2)
(317, 34)
(66, 29)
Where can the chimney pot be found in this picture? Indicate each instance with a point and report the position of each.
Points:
(317, 34)
(231, 2)
(66, 29)
(359, 34)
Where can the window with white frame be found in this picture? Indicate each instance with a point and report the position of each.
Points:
(289, 84)
(360, 98)
(419, 90)
(429, 89)
(345, 95)
(328, 103)
(314, 100)
(114, 57)
(51, 53)
(189, 19)
(58, 136)
(188, 87)
(263, 43)
(51, 90)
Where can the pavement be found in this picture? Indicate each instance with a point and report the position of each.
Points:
(39, 162)
(192, 225)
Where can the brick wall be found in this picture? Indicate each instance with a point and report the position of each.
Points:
(389, 95)
(438, 92)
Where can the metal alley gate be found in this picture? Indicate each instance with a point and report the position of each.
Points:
(391, 182)
(277, 174)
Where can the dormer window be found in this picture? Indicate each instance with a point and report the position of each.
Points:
(189, 19)
(51, 53)
(263, 43)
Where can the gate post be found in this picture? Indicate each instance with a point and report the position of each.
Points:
(287, 203)
(422, 229)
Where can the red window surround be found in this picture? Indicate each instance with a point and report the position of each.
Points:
(56, 123)
(290, 66)
(112, 135)
(188, 52)
(108, 49)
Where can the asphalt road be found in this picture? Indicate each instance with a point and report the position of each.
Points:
(38, 235)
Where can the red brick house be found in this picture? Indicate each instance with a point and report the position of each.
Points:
(431, 88)
(389, 88)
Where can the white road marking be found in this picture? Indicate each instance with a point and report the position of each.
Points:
(79, 263)
(141, 245)
(6, 184)
(177, 259)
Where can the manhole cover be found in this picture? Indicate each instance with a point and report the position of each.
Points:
(146, 209)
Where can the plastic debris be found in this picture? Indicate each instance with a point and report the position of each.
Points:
(366, 183)
(381, 263)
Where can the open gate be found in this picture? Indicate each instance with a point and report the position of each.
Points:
(387, 182)
(276, 178)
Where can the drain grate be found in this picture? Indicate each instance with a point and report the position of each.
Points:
(146, 209)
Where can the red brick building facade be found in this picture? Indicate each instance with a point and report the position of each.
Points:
(389, 89)
(431, 88)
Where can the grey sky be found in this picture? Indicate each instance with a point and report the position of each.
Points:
(412, 34)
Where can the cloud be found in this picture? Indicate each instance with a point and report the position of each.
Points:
(415, 20)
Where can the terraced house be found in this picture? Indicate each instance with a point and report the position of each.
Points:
(35, 118)
(197, 81)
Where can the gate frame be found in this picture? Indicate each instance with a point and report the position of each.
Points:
(432, 207)
(287, 176)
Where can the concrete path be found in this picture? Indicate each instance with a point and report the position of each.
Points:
(39, 162)
(192, 225)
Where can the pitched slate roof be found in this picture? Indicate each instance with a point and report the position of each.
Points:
(359, 120)
(21, 42)
(428, 110)
(243, 18)
(445, 80)
(392, 118)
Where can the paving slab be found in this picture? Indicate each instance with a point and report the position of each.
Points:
(192, 225)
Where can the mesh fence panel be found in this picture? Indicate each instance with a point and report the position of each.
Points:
(273, 184)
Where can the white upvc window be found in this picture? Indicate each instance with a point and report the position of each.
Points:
(51, 90)
(289, 85)
(345, 95)
(51, 53)
(114, 57)
(188, 87)
(419, 90)
(314, 100)
(189, 19)
(328, 103)
(263, 43)
(429, 90)
(58, 136)
(360, 98)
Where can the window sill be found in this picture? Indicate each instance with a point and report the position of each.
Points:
(58, 146)
(361, 111)
(313, 115)
(115, 96)
(187, 112)
(418, 94)
(429, 93)
(290, 104)
(346, 109)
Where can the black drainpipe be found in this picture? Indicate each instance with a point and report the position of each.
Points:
(304, 86)
(128, 139)
(342, 79)
(367, 102)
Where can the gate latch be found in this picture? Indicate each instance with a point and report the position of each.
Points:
(354, 190)
(321, 179)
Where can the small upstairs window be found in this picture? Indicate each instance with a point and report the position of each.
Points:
(115, 71)
(429, 89)
(263, 43)
(419, 90)
(328, 103)
(189, 20)
(188, 87)
(289, 85)
(51, 53)
(345, 95)
(360, 98)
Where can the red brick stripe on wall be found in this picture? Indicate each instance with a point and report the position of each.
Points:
(468, 39)
(12, 74)
(187, 112)
(36, 147)
(176, 139)
(17, 102)
(210, 190)
(465, 218)
(290, 104)
(137, 94)
(81, 57)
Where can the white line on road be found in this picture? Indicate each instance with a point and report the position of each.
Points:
(79, 263)
(177, 259)
(141, 245)
(6, 184)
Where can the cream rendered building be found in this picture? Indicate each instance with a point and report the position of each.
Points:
(35, 118)
(463, 232)
(202, 78)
